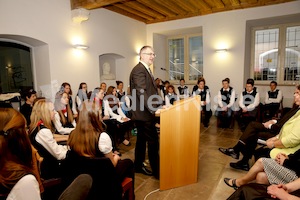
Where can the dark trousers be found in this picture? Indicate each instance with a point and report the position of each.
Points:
(254, 131)
(245, 118)
(206, 114)
(269, 110)
(254, 191)
(146, 133)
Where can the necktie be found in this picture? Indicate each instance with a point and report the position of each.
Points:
(151, 73)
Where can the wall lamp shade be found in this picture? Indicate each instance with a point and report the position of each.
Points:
(80, 46)
(80, 14)
(221, 50)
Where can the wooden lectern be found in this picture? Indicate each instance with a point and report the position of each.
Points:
(179, 143)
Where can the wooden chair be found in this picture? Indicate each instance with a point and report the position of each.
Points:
(127, 186)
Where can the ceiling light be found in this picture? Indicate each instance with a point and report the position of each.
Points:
(79, 15)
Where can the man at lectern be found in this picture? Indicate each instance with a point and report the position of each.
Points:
(145, 103)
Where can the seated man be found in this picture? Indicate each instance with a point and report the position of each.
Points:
(204, 94)
(26, 108)
(255, 130)
(226, 98)
(183, 90)
(272, 101)
(248, 103)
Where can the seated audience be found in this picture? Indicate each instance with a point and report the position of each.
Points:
(41, 136)
(286, 127)
(204, 94)
(196, 86)
(281, 170)
(103, 87)
(183, 90)
(63, 119)
(26, 108)
(272, 101)
(248, 103)
(268, 192)
(165, 86)
(160, 88)
(81, 96)
(171, 96)
(66, 87)
(16, 159)
(226, 99)
(120, 91)
(89, 131)
(109, 125)
(113, 109)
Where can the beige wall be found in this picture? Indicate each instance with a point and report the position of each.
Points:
(50, 32)
(224, 28)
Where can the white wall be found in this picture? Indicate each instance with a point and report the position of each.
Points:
(57, 61)
(222, 30)
(51, 34)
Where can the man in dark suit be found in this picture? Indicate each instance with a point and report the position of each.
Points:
(145, 101)
(254, 131)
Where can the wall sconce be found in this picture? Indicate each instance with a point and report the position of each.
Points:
(80, 46)
(79, 15)
(221, 50)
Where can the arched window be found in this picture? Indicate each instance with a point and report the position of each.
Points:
(15, 67)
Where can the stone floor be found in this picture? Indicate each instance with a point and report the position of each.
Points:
(213, 167)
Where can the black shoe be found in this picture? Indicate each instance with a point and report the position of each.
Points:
(240, 165)
(233, 185)
(145, 171)
(230, 152)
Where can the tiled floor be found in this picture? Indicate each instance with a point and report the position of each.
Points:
(213, 167)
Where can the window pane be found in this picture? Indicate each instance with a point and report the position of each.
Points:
(195, 57)
(292, 51)
(176, 58)
(15, 67)
(266, 54)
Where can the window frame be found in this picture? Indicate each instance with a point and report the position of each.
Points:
(185, 38)
(281, 53)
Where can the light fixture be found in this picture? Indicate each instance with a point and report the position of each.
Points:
(79, 15)
(80, 46)
(221, 50)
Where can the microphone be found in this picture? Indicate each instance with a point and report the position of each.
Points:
(163, 69)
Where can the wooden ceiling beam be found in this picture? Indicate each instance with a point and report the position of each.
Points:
(218, 4)
(202, 5)
(235, 3)
(155, 6)
(128, 14)
(172, 6)
(187, 5)
(145, 9)
(152, 11)
(133, 11)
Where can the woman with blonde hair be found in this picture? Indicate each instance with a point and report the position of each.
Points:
(18, 179)
(41, 136)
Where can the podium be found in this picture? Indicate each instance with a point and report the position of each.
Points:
(179, 143)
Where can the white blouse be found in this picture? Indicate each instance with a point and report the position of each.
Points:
(46, 139)
(59, 127)
(105, 144)
(26, 188)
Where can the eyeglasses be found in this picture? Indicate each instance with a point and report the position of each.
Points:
(150, 54)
